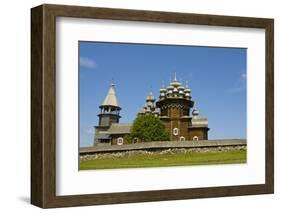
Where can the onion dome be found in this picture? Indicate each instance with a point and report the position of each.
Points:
(163, 90)
(187, 89)
(181, 92)
(197, 120)
(163, 87)
(145, 105)
(187, 94)
(195, 112)
(162, 95)
(150, 97)
(175, 90)
(175, 83)
(170, 87)
(149, 105)
(181, 87)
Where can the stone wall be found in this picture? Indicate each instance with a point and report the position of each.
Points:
(161, 145)
(109, 155)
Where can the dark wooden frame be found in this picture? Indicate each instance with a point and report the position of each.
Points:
(43, 105)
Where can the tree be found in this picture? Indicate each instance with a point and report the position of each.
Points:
(148, 128)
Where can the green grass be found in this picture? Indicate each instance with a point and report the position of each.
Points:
(165, 160)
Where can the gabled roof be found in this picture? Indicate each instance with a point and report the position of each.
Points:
(102, 136)
(111, 98)
(117, 128)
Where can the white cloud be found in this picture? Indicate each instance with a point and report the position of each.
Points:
(87, 63)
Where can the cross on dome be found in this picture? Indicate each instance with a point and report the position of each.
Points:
(112, 82)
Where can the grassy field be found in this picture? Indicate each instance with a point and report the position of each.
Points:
(164, 160)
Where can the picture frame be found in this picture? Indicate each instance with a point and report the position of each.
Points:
(43, 105)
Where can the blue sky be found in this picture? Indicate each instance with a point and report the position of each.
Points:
(216, 76)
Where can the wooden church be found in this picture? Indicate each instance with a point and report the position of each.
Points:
(175, 108)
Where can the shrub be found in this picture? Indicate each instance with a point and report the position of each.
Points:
(148, 128)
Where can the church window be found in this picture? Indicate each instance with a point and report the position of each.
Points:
(120, 141)
(195, 138)
(182, 138)
(175, 131)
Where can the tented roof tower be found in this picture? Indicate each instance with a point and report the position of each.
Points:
(109, 109)
(111, 98)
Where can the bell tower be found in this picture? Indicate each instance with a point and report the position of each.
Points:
(109, 114)
(175, 103)
(109, 109)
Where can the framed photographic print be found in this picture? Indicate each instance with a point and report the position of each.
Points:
(137, 106)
